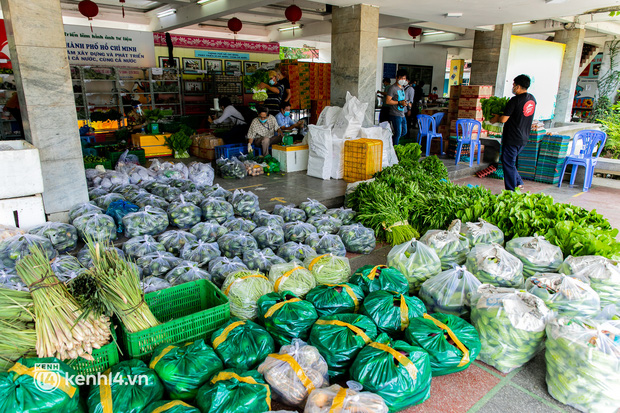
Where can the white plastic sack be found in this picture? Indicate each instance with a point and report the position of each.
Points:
(337, 158)
(329, 115)
(349, 123)
(383, 133)
(320, 151)
(201, 174)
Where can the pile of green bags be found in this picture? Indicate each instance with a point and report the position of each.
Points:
(451, 247)
(340, 337)
(583, 364)
(511, 325)
(170, 406)
(129, 388)
(492, 264)
(395, 370)
(20, 391)
(380, 277)
(451, 342)
(536, 253)
(416, 261)
(183, 369)
(336, 298)
(235, 391)
(450, 292)
(391, 312)
(242, 344)
(286, 316)
(565, 295)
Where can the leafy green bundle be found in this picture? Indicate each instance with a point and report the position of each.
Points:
(493, 106)
(179, 143)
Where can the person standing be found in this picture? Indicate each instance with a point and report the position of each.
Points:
(275, 93)
(282, 80)
(384, 113)
(395, 99)
(410, 97)
(231, 115)
(517, 119)
(264, 130)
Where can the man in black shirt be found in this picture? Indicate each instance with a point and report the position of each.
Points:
(517, 118)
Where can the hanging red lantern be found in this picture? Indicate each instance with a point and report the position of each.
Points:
(414, 32)
(123, 7)
(293, 13)
(235, 25)
(88, 9)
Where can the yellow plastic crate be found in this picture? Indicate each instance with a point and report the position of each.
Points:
(362, 159)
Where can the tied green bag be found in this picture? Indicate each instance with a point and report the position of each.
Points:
(234, 391)
(130, 386)
(20, 391)
(242, 344)
(380, 277)
(395, 370)
(392, 312)
(184, 368)
(286, 316)
(340, 337)
(168, 406)
(451, 342)
(332, 299)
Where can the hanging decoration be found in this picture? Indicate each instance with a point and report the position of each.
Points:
(414, 32)
(123, 7)
(88, 9)
(293, 14)
(235, 25)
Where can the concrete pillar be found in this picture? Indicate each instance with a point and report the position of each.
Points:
(38, 52)
(355, 31)
(490, 57)
(573, 39)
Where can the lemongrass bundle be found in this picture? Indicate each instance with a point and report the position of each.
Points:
(119, 284)
(18, 337)
(61, 330)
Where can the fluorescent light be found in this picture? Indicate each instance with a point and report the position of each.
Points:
(286, 29)
(521, 23)
(165, 13)
(454, 14)
(432, 33)
(201, 2)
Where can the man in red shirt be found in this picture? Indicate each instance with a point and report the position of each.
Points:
(517, 119)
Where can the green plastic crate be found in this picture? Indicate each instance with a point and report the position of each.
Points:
(188, 312)
(91, 165)
(115, 156)
(105, 357)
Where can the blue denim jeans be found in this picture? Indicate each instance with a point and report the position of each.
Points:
(399, 123)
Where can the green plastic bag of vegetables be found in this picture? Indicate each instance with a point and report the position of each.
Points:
(536, 253)
(286, 316)
(289, 213)
(269, 237)
(450, 292)
(216, 209)
(140, 246)
(290, 251)
(416, 261)
(324, 243)
(451, 247)
(27, 387)
(511, 325)
(583, 364)
(184, 214)
(263, 218)
(312, 207)
(380, 277)
(346, 216)
(492, 264)
(297, 231)
(357, 238)
(235, 243)
(170, 406)
(245, 203)
(99, 227)
(243, 289)
(208, 231)
(14, 248)
(332, 299)
(184, 368)
(262, 261)
(62, 236)
(235, 391)
(329, 269)
(604, 278)
(292, 277)
(451, 342)
(395, 370)
(482, 232)
(325, 223)
(83, 209)
(339, 338)
(127, 387)
(242, 344)
(572, 265)
(239, 224)
(150, 221)
(391, 312)
(566, 295)
(175, 240)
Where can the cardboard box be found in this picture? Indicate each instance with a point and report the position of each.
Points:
(470, 103)
(477, 91)
(455, 91)
(470, 114)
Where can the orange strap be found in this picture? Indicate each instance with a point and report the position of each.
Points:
(351, 327)
(338, 401)
(283, 277)
(105, 392)
(244, 278)
(170, 405)
(279, 305)
(301, 375)
(48, 377)
(315, 260)
(373, 272)
(404, 313)
(458, 343)
(403, 360)
(350, 292)
(227, 375)
(222, 337)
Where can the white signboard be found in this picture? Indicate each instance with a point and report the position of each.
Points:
(109, 47)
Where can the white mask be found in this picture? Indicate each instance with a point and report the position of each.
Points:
(402, 82)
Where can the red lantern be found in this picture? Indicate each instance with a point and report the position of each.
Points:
(123, 7)
(414, 32)
(88, 9)
(293, 13)
(235, 25)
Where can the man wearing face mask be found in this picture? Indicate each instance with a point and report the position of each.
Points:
(264, 130)
(275, 93)
(284, 118)
(398, 106)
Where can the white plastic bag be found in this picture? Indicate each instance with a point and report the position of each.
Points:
(450, 292)
(337, 158)
(329, 115)
(202, 174)
(349, 122)
(320, 151)
(384, 134)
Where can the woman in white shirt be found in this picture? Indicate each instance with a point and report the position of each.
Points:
(231, 115)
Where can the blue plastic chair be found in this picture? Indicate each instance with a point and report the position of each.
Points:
(428, 128)
(438, 118)
(585, 157)
(465, 135)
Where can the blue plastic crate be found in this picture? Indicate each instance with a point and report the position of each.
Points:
(234, 149)
(88, 138)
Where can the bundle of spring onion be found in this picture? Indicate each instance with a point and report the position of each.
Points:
(116, 285)
(18, 337)
(63, 331)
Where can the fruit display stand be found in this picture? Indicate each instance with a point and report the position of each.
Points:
(292, 158)
(153, 145)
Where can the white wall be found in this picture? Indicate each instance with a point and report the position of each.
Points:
(424, 55)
